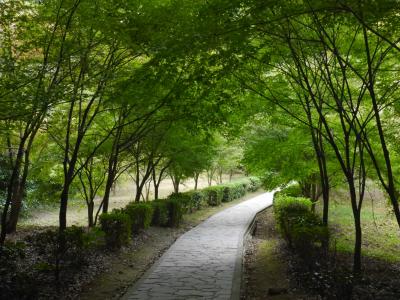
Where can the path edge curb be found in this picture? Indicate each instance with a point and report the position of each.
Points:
(238, 272)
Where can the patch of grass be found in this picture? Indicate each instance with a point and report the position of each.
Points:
(381, 235)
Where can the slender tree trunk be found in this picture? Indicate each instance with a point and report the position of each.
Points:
(210, 175)
(138, 191)
(12, 184)
(176, 181)
(196, 180)
(107, 191)
(68, 177)
(90, 213)
(358, 231)
(16, 204)
(156, 188)
(19, 193)
(63, 207)
(325, 186)
(357, 244)
(390, 187)
(112, 165)
(176, 186)
(156, 183)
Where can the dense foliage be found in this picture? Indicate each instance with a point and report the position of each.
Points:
(95, 92)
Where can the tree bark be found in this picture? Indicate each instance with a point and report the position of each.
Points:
(196, 180)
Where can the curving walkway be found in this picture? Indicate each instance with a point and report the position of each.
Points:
(205, 262)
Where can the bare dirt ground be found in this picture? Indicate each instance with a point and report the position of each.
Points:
(265, 268)
(125, 192)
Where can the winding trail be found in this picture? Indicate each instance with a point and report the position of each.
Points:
(205, 262)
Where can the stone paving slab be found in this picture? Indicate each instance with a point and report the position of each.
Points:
(205, 262)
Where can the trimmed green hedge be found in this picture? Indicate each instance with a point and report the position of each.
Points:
(214, 195)
(117, 228)
(293, 190)
(160, 213)
(233, 191)
(175, 212)
(140, 214)
(168, 212)
(300, 227)
(118, 225)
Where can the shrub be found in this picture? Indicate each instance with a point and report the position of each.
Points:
(233, 191)
(160, 213)
(299, 226)
(214, 194)
(191, 201)
(254, 184)
(175, 212)
(293, 190)
(140, 215)
(117, 228)
(185, 199)
(198, 199)
(286, 206)
(227, 196)
(310, 232)
(168, 212)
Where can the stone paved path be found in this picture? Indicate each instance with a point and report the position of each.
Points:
(205, 262)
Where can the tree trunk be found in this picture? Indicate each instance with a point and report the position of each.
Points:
(196, 180)
(15, 210)
(106, 197)
(210, 175)
(12, 184)
(90, 213)
(357, 244)
(155, 184)
(390, 186)
(63, 207)
(176, 186)
(176, 181)
(69, 169)
(19, 193)
(138, 191)
(313, 196)
(112, 170)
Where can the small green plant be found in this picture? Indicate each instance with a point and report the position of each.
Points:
(140, 214)
(198, 199)
(160, 213)
(298, 225)
(254, 184)
(214, 194)
(185, 199)
(117, 228)
(233, 191)
(175, 212)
